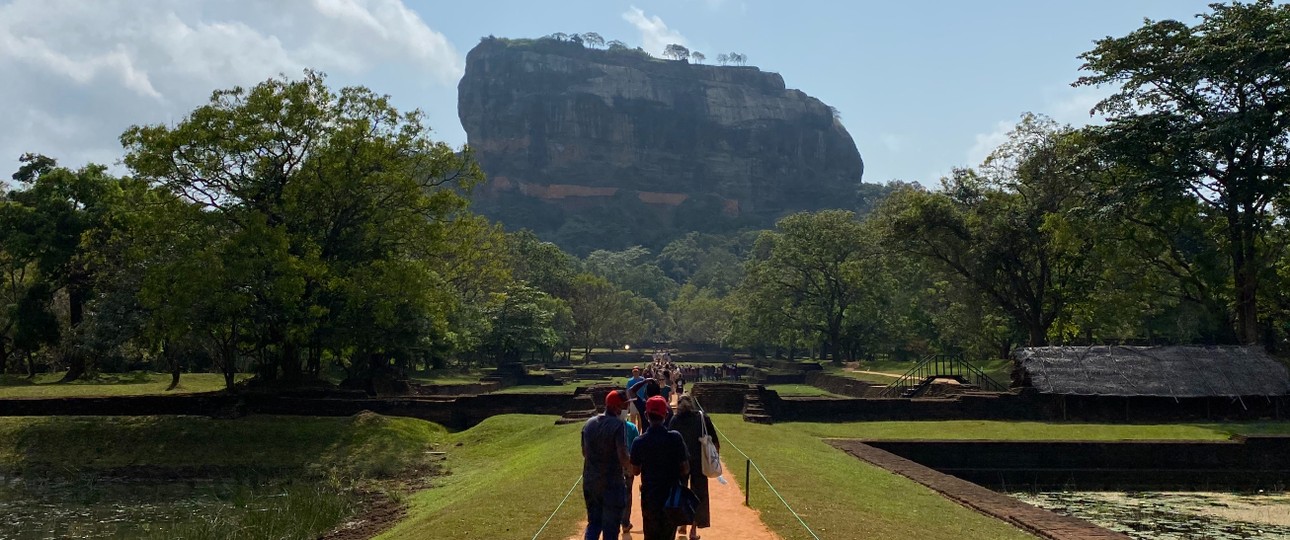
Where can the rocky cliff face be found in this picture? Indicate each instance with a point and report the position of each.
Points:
(602, 149)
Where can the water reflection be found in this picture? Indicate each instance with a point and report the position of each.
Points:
(1175, 515)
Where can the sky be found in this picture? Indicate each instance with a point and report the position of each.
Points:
(922, 86)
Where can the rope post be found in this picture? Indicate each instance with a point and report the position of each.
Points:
(747, 480)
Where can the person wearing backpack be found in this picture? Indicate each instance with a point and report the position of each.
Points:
(692, 424)
(660, 457)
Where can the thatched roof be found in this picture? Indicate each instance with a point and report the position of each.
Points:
(1153, 371)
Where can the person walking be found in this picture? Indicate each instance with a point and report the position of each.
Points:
(632, 433)
(633, 412)
(691, 424)
(604, 460)
(660, 457)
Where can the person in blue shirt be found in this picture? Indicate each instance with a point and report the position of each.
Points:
(634, 414)
(632, 433)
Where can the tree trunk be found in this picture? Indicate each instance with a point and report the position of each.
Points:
(75, 359)
(173, 360)
(31, 366)
(1245, 275)
(4, 356)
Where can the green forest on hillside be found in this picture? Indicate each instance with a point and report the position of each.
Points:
(292, 229)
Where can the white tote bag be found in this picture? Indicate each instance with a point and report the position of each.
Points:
(711, 458)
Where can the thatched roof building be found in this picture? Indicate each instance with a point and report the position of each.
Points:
(1176, 371)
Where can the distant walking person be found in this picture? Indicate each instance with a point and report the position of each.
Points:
(604, 460)
(660, 458)
(632, 434)
(632, 410)
(691, 424)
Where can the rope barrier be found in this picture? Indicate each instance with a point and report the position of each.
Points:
(558, 506)
(761, 474)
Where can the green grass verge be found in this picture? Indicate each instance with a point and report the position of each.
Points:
(1032, 431)
(448, 376)
(566, 388)
(349, 448)
(134, 383)
(800, 390)
(840, 497)
(508, 474)
(843, 498)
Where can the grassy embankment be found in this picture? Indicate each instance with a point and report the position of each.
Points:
(502, 478)
(843, 498)
(134, 383)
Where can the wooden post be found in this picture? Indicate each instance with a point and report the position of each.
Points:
(747, 480)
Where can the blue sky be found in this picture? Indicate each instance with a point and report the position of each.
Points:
(922, 86)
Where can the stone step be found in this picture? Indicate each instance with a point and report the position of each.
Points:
(758, 418)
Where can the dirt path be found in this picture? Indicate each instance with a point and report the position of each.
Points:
(731, 520)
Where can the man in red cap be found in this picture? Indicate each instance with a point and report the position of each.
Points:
(660, 457)
(604, 458)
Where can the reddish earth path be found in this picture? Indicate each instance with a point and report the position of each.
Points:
(731, 520)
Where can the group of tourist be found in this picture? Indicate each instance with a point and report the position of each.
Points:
(642, 434)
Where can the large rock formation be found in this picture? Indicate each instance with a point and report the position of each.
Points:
(598, 148)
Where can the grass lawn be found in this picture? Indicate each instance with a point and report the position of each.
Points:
(503, 477)
(508, 475)
(448, 376)
(566, 388)
(839, 496)
(800, 390)
(134, 383)
(357, 447)
(844, 498)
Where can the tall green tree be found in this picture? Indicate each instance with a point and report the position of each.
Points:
(815, 264)
(1204, 110)
(339, 219)
(49, 220)
(1011, 233)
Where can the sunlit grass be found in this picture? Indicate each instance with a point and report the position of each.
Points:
(134, 383)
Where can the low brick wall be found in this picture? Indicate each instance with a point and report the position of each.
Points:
(1245, 463)
(715, 397)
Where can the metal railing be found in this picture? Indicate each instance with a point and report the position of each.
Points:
(932, 367)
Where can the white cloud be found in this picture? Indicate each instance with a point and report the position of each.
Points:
(985, 143)
(1065, 105)
(78, 73)
(655, 35)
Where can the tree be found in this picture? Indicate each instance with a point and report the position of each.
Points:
(1202, 110)
(559, 36)
(52, 218)
(616, 45)
(676, 52)
(698, 57)
(634, 270)
(723, 59)
(812, 268)
(1010, 233)
(593, 39)
(522, 321)
(735, 58)
(340, 225)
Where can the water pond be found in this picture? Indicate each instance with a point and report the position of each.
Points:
(89, 508)
(1175, 515)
